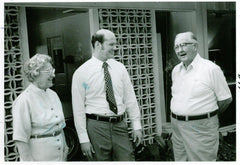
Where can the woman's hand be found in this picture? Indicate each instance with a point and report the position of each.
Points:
(65, 153)
(24, 151)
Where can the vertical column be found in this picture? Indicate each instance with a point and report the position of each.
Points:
(24, 39)
(202, 31)
(13, 77)
(158, 74)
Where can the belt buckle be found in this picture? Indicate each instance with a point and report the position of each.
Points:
(112, 118)
(176, 116)
(208, 115)
(186, 118)
(97, 117)
(53, 134)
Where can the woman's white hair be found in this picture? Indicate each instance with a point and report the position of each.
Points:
(33, 65)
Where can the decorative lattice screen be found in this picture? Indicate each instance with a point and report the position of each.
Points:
(132, 28)
(13, 77)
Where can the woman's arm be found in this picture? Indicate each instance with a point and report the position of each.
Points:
(24, 151)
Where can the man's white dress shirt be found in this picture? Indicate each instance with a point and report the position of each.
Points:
(197, 89)
(89, 94)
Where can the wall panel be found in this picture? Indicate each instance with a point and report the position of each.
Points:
(133, 31)
(13, 77)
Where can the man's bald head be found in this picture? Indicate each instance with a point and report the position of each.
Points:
(101, 35)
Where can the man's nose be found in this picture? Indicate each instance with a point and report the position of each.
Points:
(180, 48)
(53, 75)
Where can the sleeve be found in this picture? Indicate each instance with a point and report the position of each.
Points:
(78, 104)
(21, 120)
(130, 101)
(219, 84)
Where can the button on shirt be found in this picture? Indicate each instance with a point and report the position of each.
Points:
(197, 89)
(89, 94)
(34, 113)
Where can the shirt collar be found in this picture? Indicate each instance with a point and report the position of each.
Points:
(34, 88)
(195, 61)
(100, 63)
(193, 64)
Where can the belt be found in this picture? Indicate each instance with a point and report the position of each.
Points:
(197, 117)
(46, 135)
(111, 119)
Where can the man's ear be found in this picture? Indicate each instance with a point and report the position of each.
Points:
(98, 44)
(196, 47)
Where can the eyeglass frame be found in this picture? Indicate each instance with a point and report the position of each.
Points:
(48, 71)
(183, 45)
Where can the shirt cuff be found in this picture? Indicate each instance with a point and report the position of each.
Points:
(83, 138)
(22, 139)
(224, 97)
(136, 125)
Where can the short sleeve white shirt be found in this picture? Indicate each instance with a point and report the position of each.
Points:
(197, 89)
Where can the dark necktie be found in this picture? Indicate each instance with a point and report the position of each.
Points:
(109, 89)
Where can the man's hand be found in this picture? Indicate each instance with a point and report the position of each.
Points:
(137, 136)
(87, 149)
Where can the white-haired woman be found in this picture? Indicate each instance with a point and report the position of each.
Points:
(38, 119)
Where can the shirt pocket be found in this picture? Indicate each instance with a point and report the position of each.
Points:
(199, 88)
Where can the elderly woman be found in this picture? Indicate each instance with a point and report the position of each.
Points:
(38, 119)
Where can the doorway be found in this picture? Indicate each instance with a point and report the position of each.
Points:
(64, 34)
(168, 24)
(222, 51)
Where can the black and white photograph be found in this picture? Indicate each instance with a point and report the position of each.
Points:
(119, 81)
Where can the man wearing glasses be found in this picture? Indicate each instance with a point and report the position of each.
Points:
(199, 93)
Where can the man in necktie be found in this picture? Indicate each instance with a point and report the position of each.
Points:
(101, 95)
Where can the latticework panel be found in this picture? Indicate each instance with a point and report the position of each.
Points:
(13, 77)
(132, 28)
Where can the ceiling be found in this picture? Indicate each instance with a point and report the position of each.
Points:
(44, 14)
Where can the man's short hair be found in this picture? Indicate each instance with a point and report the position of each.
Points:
(97, 37)
(192, 36)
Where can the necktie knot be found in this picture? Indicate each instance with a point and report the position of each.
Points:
(105, 65)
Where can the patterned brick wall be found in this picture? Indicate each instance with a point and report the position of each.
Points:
(133, 31)
(13, 77)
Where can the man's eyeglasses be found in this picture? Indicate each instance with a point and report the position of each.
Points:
(182, 45)
(50, 71)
